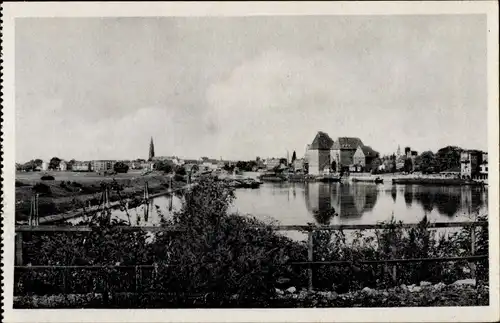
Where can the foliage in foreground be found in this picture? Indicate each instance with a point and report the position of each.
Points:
(221, 254)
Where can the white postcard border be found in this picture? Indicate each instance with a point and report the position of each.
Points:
(135, 9)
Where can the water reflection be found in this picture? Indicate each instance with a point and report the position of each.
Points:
(449, 200)
(329, 203)
(344, 200)
(351, 201)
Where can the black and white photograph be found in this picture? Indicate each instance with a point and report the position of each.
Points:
(260, 161)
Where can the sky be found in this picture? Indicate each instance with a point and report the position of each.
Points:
(242, 87)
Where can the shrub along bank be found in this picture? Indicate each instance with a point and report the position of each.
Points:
(229, 259)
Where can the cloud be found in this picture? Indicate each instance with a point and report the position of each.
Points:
(66, 136)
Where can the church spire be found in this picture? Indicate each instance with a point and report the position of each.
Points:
(151, 150)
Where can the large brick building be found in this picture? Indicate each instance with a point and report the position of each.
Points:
(325, 154)
(319, 154)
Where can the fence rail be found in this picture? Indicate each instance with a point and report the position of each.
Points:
(310, 229)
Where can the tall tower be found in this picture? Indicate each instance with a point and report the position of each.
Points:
(151, 150)
(398, 153)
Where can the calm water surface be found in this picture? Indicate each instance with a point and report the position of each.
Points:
(355, 203)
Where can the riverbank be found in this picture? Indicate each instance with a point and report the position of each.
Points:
(426, 294)
(69, 192)
(240, 249)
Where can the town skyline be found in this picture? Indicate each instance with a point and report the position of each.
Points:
(399, 151)
(417, 81)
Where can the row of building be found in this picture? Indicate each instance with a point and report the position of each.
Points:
(82, 166)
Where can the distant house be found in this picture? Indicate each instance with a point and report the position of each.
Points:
(45, 166)
(363, 158)
(101, 165)
(81, 166)
(483, 171)
(470, 163)
(148, 165)
(63, 166)
(272, 163)
(209, 164)
(298, 165)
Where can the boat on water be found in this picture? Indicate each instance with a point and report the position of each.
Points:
(329, 178)
(437, 181)
(243, 183)
(273, 177)
(376, 180)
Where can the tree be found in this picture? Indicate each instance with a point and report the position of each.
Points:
(54, 162)
(29, 166)
(448, 157)
(393, 163)
(38, 162)
(228, 168)
(164, 166)
(375, 165)
(427, 161)
(180, 171)
(71, 163)
(120, 167)
(294, 156)
(408, 167)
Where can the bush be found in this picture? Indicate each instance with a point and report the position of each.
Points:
(21, 184)
(47, 178)
(179, 178)
(120, 167)
(164, 166)
(43, 189)
(180, 171)
(221, 254)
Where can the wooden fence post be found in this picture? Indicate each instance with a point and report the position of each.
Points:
(138, 279)
(65, 280)
(146, 201)
(310, 257)
(19, 248)
(170, 204)
(394, 274)
(32, 211)
(473, 250)
(37, 214)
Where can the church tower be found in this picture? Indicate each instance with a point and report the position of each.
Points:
(151, 150)
(398, 153)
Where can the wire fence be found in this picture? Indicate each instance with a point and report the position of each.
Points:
(135, 277)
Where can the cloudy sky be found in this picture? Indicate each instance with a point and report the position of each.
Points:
(237, 88)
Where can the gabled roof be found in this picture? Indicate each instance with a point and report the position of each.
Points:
(368, 151)
(347, 143)
(321, 141)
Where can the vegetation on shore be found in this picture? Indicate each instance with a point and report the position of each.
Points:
(62, 196)
(231, 257)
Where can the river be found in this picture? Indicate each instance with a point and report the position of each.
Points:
(353, 203)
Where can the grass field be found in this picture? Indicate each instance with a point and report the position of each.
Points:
(71, 190)
(82, 177)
